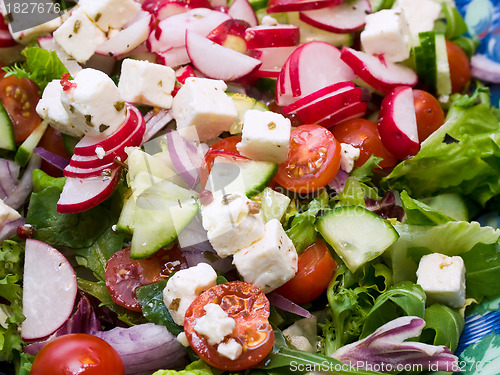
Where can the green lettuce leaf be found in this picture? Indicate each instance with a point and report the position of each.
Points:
(42, 180)
(418, 213)
(443, 326)
(195, 368)
(482, 266)
(463, 156)
(41, 66)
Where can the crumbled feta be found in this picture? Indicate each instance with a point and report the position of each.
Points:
(387, 34)
(110, 13)
(348, 156)
(7, 214)
(269, 21)
(202, 110)
(49, 108)
(183, 288)
(146, 83)
(443, 279)
(215, 324)
(233, 222)
(78, 36)
(231, 349)
(265, 136)
(269, 262)
(420, 15)
(94, 105)
(182, 339)
(99, 151)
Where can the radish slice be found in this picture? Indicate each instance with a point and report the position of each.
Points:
(81, 194)
(242, 10)
(162, 9)
(272, 36)
(49, 290)
(485, 68)
(127, 39)
(273, 60)
(75, 172)
(224, 63)
(108, 141)
(318, 95)
(174, 57)
(379, 74)
(277, 6)
(343, 18)
(397, 124)
(350, 112)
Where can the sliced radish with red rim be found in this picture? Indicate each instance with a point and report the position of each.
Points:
(272, 36)
(278, 6)
(75, 172)
(273, 60)
(242, 10)
(352, 111)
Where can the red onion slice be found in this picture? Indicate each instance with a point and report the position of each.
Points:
(156, 122)
(9, 174)
(185, 158)
(10, 228)
(51, 158)
(339, 180)
(285, 304)
(25, 186)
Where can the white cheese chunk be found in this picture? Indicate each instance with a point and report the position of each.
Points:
(443, 279)
(50, 108)
(182, 339)
(215, 324)
(78, 36)
(202, 110)
(7, 214)
(94, 105)
(231, 349)
(387, 34)
(110, 13)
(420, 15)
(265, 136)
(183, 288)
(348, 156)
(146, 83)
(233, 222)
(269, 262)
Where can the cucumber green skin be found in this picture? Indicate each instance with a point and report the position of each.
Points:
(356, 234)
(7, 141)
(126, 221)
(26, 149)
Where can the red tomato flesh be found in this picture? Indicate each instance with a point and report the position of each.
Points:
(316, 267)
(460, 72)
(249, 307)
(313, 159)
(77, 354)
(430, 115)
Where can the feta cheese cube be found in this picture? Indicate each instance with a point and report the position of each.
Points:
(215, 324)
(202, 109)
(265, 136)
(95, 104)
(348, 156)
(78, 36)
(232, 222)
(183, 288)
(50, 108)
(110, 13)
(7, 214)
(146, 83)
(386, 33)
(420, 15)
(443, 279)
(269, 262)
(231, 349)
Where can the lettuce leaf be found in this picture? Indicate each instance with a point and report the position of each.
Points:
(41, 66)
(443, 326)
(463, 156)
(195, 368)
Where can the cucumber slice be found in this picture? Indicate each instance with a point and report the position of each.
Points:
(126, 220)
(273, 204)
(243, 103)
(24, 151)
(240, 176)
(443, 80)
(162, 211)
(6, 133)
(356, 234)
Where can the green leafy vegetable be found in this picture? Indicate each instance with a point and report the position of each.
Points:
(42, 180)
(418, 213)
(482, 266)
(443, 326)
(195, 368)
(151, 299)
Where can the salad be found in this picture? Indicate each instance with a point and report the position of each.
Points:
(266, 187)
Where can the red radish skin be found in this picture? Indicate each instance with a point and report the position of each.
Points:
(162, 9)
(344, 18)
(317, 95)
(278, 6)
(81, 194)
(174, 57)
(218, 62)
(355, 110)
(49, 290)
(74, 172)
(242, 10)
(272, 36)
(273, 60)
(397, 124)
(379, 74)
(230, 34)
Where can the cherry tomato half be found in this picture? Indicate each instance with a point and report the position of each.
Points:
(363, 134)
(20, 97)
(430, 115)
(52, 141)
(77, 354)
(315, 271)
(458, 61)
(124, 275)
(313, 159)
(249, 307)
